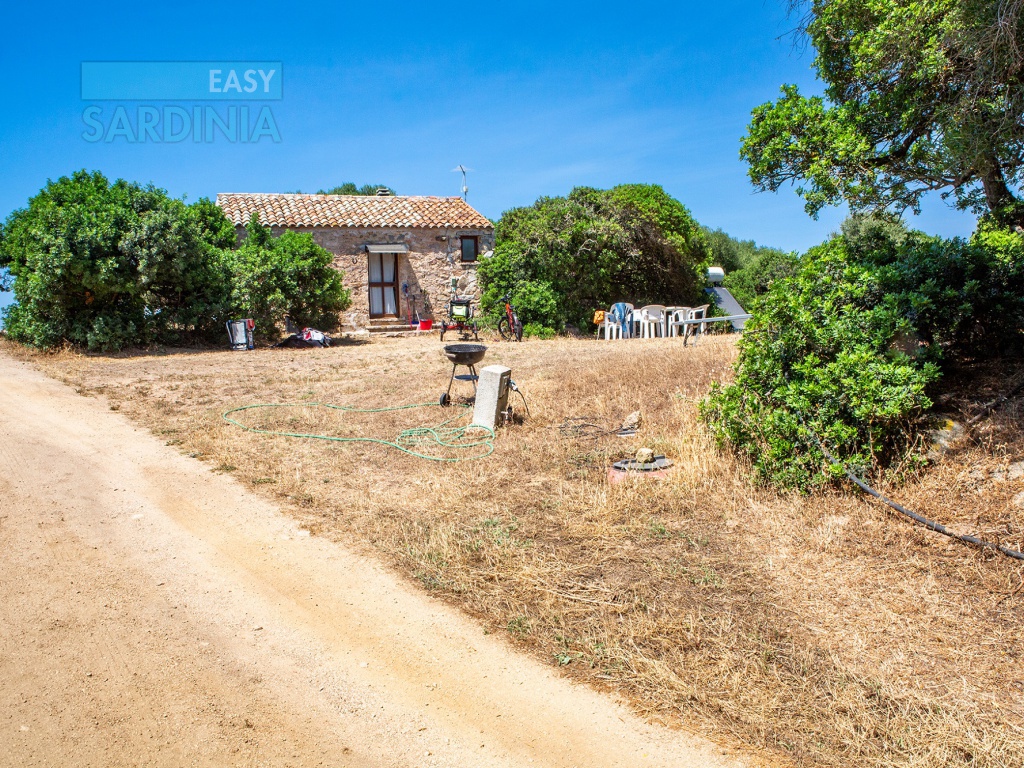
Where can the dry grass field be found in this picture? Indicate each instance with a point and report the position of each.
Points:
(821, 629)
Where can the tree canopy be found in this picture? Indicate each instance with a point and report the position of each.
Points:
(111, 265)
(107, 265)
(349, 188)
(750, 269)
(564, 257)
(919, 96)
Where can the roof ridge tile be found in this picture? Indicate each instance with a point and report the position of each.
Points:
(290, 209)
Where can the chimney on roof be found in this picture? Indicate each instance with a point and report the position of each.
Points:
(383, 192)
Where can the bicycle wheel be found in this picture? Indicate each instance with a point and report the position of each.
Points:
(504, 329)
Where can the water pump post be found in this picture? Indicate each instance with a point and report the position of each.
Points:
(492, 396)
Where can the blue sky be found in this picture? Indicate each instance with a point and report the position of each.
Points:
(535, 98)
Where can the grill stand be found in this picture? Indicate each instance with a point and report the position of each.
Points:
(446, 397)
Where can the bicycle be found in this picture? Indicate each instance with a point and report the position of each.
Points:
(509, 326)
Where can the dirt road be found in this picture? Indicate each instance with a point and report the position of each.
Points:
(153, 612)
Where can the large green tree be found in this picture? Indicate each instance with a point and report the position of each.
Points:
(112, 265)
(920, 96)
(108, 265)
(287, 275)
(564, 257)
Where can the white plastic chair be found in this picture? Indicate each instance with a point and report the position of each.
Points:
(652, 321)
(692, 329)
(618, 325)
(611, 327)
(627, 319)
(675, 318)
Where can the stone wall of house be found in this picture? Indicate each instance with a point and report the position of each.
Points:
(434, 257)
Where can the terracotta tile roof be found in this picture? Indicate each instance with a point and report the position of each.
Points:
(280, 210)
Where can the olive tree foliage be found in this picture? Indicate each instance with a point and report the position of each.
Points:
(112, 265)
(750, 269)
(107, 265)
(852, 347)
(564, 257)
(287, 275)
(919, 96)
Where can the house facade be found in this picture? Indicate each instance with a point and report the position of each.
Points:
(398, 253)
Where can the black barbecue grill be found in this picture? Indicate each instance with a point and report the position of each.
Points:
(467, 355)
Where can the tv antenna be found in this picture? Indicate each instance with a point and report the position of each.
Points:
(460, 168)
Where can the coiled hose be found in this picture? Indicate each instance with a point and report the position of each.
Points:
(409, 441)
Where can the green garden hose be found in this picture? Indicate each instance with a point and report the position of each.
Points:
(441, 435)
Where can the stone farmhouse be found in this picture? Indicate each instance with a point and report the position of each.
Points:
(398, 253)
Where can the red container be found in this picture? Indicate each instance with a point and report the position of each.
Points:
(426, 325)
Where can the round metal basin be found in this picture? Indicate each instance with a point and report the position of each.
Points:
(631, 468)
(465, 354)
(632, 465)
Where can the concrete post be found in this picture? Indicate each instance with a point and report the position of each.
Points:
(491, 396)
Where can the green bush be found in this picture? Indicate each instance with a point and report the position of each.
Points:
(111, 265)
(750, 269)
(287, 275)
(752, 281)
(538, 331)
(852, 346)
(564, 257)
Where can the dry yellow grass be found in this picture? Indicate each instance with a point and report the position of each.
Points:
(820, 629)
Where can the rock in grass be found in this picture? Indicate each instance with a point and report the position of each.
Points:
(943, 438)
(645, 456)
(632, 422)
